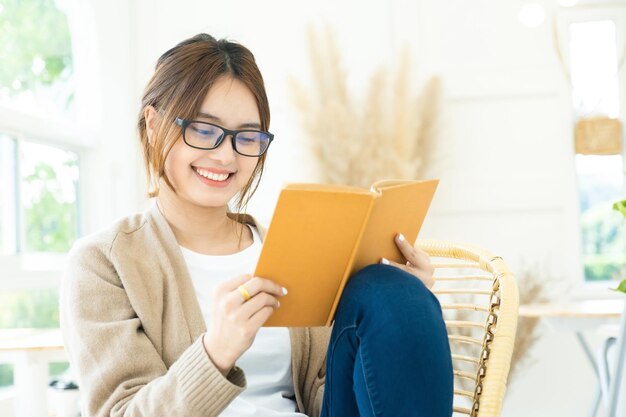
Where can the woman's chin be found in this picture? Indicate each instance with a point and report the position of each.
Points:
(210, 201)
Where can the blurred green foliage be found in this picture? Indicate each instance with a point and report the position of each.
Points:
(35, 44)
(29, 308)
(603, 268)
(604, 244)
(50, 223)
(621, 287)
(620, 206)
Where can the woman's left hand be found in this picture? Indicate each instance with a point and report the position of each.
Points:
(418, 261)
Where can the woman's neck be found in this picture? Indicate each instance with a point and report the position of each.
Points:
(205, 230)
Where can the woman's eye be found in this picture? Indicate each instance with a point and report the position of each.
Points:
(206, 132)
(247, 138)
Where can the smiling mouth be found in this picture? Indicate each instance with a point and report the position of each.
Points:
(212, 175)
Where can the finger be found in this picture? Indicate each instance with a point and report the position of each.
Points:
(261, 316)
(408, 251)
(422, 254)
(420, 250)
(234, 299)
(256, 303)
(396, 264)
(417, 272)
(227, 293)
(233, 283)
(258, 284)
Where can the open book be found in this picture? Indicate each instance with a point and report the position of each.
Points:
(320, 235)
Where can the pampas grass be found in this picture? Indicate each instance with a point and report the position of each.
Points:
(387, 133)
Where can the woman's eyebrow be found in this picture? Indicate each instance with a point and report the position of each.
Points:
(251, 125)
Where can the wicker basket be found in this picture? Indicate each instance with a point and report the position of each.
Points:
(598, 136)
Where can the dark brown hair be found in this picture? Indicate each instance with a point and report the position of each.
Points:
(182, 78)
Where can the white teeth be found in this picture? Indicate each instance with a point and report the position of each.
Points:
(211, 175)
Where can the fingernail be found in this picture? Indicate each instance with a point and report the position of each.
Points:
(385, 261)
(285, 291)
(278, 303)
(401, 237)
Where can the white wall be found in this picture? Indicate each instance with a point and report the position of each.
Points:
(505, 156)
(506, 163)
(110, 165)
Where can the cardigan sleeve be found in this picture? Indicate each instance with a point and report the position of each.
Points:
(315, 378)
(119, 370)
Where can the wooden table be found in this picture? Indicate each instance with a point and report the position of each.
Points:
(592, 309)
(30, 351)
(580, 316)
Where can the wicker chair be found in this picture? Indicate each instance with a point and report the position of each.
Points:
(479, 299)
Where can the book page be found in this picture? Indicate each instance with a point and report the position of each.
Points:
(327, 187)
(378, 185)
(310, 240)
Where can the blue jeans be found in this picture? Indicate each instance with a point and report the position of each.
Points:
(389, 354)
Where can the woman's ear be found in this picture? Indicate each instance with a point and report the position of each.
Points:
(152, 117)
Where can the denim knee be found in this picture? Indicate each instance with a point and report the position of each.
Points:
(379, 287)
(388, 278)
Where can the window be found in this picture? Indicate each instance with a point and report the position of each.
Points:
(36, 49)
(603, 229)
(593, 64)
(39, 170)
(48, 187)
(8, 196)
(39, 201)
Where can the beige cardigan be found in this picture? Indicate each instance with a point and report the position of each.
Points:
(132, 328)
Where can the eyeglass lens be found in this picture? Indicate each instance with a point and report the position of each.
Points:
(204, 135)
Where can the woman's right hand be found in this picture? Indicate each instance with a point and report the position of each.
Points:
(235, 322)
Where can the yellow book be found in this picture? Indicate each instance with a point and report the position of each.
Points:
(320, 235)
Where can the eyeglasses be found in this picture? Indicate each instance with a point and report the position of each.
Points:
(204, 135)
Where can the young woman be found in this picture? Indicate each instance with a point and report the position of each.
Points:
(161, 316)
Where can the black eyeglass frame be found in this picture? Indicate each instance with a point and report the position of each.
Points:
(184, 123)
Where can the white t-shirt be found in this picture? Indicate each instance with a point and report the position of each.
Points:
(267, 363)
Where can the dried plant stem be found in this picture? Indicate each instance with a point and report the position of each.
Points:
(383, 135)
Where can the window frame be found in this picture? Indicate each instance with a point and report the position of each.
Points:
(584, 289)
(14, 270)
(75, 135)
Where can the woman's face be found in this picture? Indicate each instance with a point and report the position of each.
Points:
(230, 104)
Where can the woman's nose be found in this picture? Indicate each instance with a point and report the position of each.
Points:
(225, 151)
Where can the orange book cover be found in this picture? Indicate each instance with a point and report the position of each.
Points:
(321, 234)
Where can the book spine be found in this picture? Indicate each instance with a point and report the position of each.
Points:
(346, 274)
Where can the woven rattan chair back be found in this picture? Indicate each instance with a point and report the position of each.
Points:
(479, 300)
